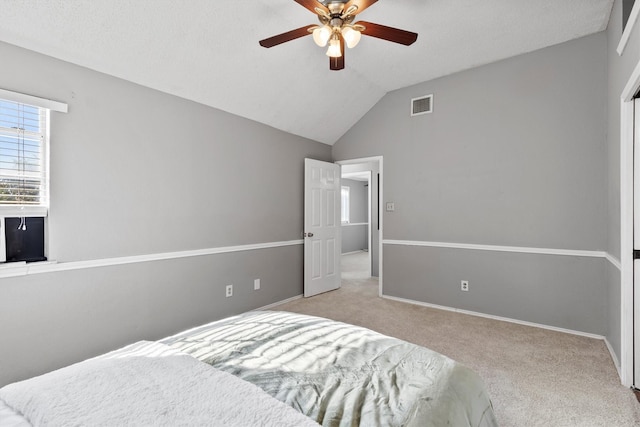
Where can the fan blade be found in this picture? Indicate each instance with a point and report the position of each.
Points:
(388, 33)
(311, 5)
(362, 5)
(285, 37)
(337, 64)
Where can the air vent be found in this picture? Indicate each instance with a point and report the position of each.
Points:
(422, 105)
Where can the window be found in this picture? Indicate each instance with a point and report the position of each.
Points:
(345, 205)
(24, 174)
(23, 162)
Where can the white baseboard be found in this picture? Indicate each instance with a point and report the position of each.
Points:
(275, 304)
(490, 316)
(614, 357)
(354, 252)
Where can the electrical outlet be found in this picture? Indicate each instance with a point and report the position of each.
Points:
(256, 284)
(464, 285)
(229, 291)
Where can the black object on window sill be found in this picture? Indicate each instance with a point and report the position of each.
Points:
(25, 239)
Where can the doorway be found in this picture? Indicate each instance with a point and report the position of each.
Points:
(362, 227)
(356, 224)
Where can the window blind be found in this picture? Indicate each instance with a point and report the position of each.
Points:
(22, 154)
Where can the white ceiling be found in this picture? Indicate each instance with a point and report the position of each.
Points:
(207, 50)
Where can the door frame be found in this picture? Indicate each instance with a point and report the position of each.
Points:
(379, 161)
(626, 230)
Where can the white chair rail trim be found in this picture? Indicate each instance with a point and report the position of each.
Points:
(23, 269)
(518, 249)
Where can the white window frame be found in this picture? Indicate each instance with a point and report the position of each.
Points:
(345, 208)
(42, 209)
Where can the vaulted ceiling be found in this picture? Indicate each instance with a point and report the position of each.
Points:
(207, 50)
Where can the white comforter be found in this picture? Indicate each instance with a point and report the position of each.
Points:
(146, 384)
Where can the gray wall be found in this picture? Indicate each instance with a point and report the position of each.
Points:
(620, 69)
(51, 320)
(355, 236)
(514, 154)
(133, 172)
(511, 285)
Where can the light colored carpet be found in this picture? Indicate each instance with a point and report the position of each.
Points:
(535, 377)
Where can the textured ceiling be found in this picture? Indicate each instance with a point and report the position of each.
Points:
(207, 50)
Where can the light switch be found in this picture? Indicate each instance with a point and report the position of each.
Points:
(391, 206)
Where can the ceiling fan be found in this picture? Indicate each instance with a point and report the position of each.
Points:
(338, 29)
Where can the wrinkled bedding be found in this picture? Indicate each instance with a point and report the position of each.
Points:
(10, 418)
(340, 374)
(144, 384)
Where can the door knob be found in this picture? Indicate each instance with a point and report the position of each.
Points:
(308, 234)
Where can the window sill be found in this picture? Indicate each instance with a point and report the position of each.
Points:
(20, 211)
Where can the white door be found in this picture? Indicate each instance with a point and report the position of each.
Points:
(636, 242)
(322, 233)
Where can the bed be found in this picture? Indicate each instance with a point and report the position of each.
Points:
(297, 369)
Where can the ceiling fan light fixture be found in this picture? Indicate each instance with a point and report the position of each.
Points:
(321, 35)
(351, 37)
(334, 47)
(338, 28)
